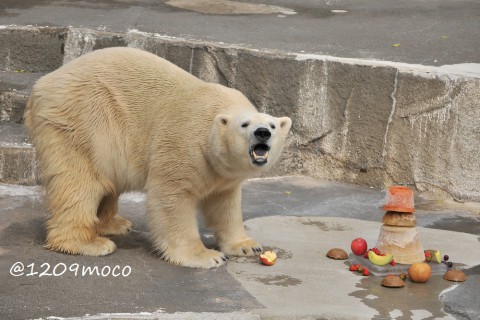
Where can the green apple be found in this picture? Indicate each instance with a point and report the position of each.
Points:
(379, 260)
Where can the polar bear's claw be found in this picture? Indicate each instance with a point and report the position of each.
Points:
(247, 247)
(205, 259)
(115, 226)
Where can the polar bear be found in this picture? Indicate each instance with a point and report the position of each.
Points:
(122, 119)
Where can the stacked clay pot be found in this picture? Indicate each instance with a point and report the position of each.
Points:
(399, 234)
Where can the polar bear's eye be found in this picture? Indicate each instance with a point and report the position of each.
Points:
(272, 126)
(245, 124)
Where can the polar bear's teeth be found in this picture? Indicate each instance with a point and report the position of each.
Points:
(260, 157)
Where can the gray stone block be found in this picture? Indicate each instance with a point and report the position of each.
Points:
(271, 82)
(215, 64)
(434, 139)
(15, 88)
(17, 156)
(31, 49)
(12, 106)
(176, 51)
(356, 117)
(80, 41)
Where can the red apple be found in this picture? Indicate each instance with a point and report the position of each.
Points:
(268, 258)
(359, 246)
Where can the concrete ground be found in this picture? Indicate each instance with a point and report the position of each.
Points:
(298, 217)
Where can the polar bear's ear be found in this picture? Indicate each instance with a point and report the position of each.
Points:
(222, 119)
(285, 123)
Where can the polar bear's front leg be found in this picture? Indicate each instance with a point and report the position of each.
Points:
(175, 233)
(223, 213)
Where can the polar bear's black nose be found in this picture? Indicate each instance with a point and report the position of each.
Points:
(262, 134)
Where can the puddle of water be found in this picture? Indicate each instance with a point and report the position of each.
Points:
(458, 223)
(325, 226)
(409, 302)
(429, 202)
(281, 253)
(228, 7)
(449, 205)
(279, 280)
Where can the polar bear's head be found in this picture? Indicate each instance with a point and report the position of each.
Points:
(247, 143)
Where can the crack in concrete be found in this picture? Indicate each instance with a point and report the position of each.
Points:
(190, 67)
(316, 139)
(390, 118)
(346, 116)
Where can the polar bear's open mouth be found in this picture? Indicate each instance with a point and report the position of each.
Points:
(259, 154)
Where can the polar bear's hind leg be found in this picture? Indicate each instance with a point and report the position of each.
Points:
(73, 195)
(109, 222)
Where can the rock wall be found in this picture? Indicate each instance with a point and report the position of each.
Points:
(358, 121)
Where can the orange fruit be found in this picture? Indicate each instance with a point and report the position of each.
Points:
(420, 272)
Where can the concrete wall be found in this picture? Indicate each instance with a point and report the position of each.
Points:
(358, 121)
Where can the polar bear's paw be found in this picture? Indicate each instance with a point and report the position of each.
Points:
(205, 259)
(247, 247)
(99, 246)
(114, 226)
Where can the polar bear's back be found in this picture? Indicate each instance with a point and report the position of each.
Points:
(136, 84)
(129, 77)
(118, 104)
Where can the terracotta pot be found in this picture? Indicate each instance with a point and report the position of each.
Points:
(399, 199)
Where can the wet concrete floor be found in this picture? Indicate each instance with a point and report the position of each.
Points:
(298, 217)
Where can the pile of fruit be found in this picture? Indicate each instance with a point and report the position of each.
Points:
(360, 248)
(360, 269)
(419, 272)
(435, 256)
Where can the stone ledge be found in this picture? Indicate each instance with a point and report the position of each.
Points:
(359, 121)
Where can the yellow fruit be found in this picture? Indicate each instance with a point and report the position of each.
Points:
(379, 260)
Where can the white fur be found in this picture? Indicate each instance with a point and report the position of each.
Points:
(122, 119)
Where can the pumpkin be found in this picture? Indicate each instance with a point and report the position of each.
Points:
(420, 272)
